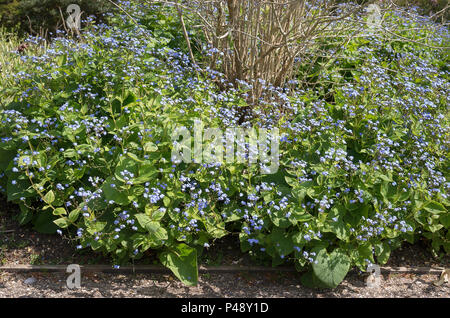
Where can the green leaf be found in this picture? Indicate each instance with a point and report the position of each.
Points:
(61, 60)
(150, 147)
(6, 157)
(279, 219)
(245, 245)
(156, 232)
(141, 241)
(116, 106)
(146, 172)
(62, 222)
(433, 227)
(166, 201)
(335, 223)
(155, 213)
(44, 223)
(59, 211)
(331, 269)
(125, 163)
(387, 191)
(25, 215)
(73, 215)
(434, 207)
(291, 181)
(20, 189)
(49, 197)
(310, 280)
(182, 261)
(403, 196)
(214, 226)
(445, 220)
(134, 157)
(281, 241)
(299, 194)
(360, 254)
(111, 190)
(230, 214)
(131, 98)
(340, 230)
(382, 252)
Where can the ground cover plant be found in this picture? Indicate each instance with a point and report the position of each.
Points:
(86, 145)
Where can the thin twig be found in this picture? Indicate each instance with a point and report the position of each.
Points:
(7, 231)
(64, 21)
(186, 36)
(31, 28)
(124, 11)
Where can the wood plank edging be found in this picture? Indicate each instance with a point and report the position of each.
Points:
(202, 269)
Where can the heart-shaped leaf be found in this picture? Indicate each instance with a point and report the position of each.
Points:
(182, 261)
(331, 269)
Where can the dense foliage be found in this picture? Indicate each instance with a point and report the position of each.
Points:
(86, 145)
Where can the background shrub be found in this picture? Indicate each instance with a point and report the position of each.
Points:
(44, 14)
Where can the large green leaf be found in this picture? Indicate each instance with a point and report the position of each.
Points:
(146, 172)
(309, 279)
(155, 213)
(182, 261)
(6, 157)
(131, 98)
(281, 241)
(382, 252)
(44, 222)
(435, 207)
(360, 254)
(335, 223)
(25, 215)
(331, 269)
(62, 222)
(215, 226)
(445, 220)
(21, 188)
(279, 219)
(111, 190)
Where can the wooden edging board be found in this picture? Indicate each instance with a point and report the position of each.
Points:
(202, 269)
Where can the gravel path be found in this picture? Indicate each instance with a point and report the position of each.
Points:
(213, 285)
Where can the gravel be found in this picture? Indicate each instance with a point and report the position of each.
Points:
(30, 281)
(245, 285)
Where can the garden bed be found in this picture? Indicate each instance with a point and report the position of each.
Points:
(22, 245)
